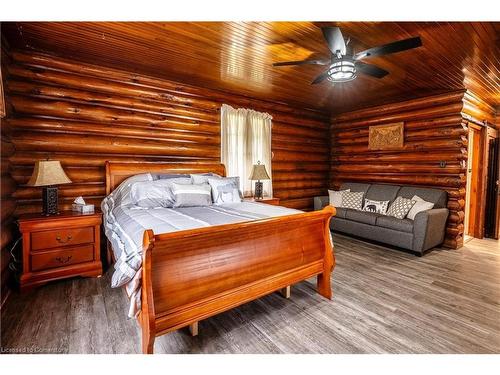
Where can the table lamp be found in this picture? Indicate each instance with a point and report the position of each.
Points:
(48, 173)
(259, 173)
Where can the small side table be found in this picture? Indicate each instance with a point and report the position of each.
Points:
(266, 200)
(59, 246)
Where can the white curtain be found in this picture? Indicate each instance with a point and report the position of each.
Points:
(245, 140)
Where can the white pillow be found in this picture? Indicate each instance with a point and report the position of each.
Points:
(419, 206)
(202, 178)
(225, 189)
(157, 193)
(335, 197)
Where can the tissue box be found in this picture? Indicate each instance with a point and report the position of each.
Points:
(83, 208)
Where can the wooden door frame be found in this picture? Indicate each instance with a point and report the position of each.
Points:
(477, 207)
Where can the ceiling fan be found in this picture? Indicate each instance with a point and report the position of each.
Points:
(344, 63)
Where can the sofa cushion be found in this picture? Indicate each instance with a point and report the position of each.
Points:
(362, 216)
(437, 196)
(355, 186)
(341, 211)
(382, 192)
(403, 225)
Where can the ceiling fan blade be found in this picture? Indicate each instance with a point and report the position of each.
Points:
(320, 78)
(334, 39)
(303, 62)
(401, 45)
(371, 70)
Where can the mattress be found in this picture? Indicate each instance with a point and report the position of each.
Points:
(125, 226)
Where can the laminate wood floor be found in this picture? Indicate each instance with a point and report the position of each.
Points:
(385, 301)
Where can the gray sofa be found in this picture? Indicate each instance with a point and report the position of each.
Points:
(419, 235)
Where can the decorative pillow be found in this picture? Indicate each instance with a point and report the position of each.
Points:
(352, 200)
(378, 207)
(400, 207)
(335, 197)
(420, 205)
(202, 178)
(191, 195)
(157, 193)
(225, 189)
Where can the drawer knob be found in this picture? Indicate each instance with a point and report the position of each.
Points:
(68, 238)
(64, 259)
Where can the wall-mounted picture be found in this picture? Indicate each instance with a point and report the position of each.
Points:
(386, 137)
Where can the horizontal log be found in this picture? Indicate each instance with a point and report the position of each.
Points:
(28, 158)
(408, 168)
(425, 156)
(456, 193)
(6, 147)
(426, 180)
(404, 106)
(299, 166)
(70, 190)
(430, 144)
(299, 176)
(457, 205)
(288, 156)
(456, 217)
(93, 144)
(75, 127)
(455, 230)
(298, 184)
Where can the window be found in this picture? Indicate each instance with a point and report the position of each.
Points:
(246, 140)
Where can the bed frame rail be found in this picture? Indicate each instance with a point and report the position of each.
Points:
(194, 274)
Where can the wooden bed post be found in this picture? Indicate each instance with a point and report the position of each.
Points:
(148, 323)
(323, 279)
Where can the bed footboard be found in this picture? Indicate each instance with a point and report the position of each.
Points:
(194, 274)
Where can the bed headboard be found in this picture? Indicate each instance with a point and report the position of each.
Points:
(117, 172)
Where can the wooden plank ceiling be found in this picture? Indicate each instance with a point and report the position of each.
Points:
(237, 57)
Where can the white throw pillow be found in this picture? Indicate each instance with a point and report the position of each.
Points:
(378, 207)
(225, 189)
(335, 197)
(419, 206)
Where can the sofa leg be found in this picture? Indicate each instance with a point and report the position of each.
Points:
(285, 292)
(193, 329)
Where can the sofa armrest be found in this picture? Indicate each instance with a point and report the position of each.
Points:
(429, 229)
(320, 202)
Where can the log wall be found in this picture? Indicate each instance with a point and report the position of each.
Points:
(435, 132)
(84, 115)
(8, 187)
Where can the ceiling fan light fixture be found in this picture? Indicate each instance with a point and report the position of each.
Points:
(342, 71)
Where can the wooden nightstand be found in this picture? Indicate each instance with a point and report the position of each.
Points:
(267, 200)
(59, 246)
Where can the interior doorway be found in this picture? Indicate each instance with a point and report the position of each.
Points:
(473, 195)
(482, 197)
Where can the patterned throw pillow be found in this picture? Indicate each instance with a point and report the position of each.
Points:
(419, 206)
(225, 189)
(400, 207)
(352, 200)
(335, 197)
(378, 207)
(191, 195)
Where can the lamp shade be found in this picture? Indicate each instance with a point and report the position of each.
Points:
(259, 172)
(48, 172)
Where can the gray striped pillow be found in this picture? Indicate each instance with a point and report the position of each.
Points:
(192, 195)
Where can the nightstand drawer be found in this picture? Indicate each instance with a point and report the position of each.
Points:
(62, 257)
(61, 237)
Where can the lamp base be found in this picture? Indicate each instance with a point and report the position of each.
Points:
(259, 189)
(49, 199)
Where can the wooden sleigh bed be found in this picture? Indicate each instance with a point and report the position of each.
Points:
(190, 275)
